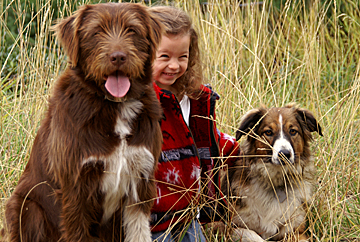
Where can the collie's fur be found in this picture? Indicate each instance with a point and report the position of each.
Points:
(91, 168)
(269, 188)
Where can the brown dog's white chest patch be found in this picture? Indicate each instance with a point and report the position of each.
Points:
(125, 166)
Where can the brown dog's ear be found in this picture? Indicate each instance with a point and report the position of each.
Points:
(67, 32)
(250, 121)
(155, 33)
(307, 118)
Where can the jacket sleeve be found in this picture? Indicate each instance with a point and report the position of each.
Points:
(229, 148)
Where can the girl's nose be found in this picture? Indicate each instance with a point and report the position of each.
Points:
(173, 65)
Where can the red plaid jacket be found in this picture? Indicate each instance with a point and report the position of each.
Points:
(189, 161)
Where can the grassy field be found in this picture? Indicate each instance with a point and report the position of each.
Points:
(304, 51)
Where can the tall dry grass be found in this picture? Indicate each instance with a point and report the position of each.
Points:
(306, 54)
(253, 54)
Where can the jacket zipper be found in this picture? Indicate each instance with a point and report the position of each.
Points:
(192, 137)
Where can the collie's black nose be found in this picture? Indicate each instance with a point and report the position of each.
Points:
(284, 156)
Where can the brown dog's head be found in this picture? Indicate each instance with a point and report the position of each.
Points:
(113, 44)
(278, 135)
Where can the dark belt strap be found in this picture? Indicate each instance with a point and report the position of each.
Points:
(158, 218)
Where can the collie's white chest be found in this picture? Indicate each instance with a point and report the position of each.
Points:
(265, 213)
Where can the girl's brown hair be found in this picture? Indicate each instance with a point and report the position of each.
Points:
(177, 22)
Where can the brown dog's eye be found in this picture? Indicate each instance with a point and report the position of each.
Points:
(293, 132)
(97, 32)
(131, 31)
(268, 132)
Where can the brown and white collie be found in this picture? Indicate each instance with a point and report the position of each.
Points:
(270, 186)
(91, 168)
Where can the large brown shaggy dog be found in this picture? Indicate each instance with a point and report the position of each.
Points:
(91, 167)
(271, 185)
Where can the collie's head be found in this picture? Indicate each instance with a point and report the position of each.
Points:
(278, 138)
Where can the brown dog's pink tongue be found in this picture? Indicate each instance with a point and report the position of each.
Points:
(117, 85)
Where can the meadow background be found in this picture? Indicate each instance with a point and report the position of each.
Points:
(268, 52)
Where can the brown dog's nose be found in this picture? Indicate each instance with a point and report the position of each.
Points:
(118, 58)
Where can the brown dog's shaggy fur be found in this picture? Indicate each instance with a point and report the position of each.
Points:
(92, 164)
(271, 185)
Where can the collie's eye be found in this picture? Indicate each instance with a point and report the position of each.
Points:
(268, 132)
(293, 132)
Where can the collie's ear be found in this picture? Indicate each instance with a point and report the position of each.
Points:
(155, 32)
(307, 118)
(67, 32)
(250, 122)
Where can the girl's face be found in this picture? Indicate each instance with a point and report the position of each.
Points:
(171, 60)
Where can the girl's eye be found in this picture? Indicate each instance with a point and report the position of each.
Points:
(293, 132)
(164, 56)
(268, 133)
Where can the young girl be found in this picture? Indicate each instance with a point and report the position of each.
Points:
(188, 171)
